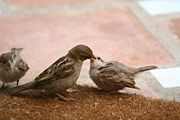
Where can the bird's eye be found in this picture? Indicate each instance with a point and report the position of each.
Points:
(98, 58)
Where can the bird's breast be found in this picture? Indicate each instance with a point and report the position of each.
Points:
(69, 81)
(10, 75)
(94, 75)
(77, 69)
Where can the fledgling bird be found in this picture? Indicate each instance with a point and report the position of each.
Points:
(61, 75)
(12, 66)
(113, 76)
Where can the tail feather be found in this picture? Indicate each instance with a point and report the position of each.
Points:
(18, 89)
(142, 69)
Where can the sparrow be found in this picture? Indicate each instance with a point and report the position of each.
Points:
(61, 75)
(12, 66)
(113, 76)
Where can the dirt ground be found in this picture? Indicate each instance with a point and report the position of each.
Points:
(90, 104)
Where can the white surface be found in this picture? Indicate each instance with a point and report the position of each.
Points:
(158, 7)
(169, 77)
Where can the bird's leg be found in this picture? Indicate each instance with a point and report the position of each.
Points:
(2, 86)
(112, 92)
(17, 82)
(62, 97)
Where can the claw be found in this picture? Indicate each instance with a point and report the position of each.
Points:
(71, 90)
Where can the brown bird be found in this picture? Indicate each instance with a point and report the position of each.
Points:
(113, 76)
(61, 75)
(12, 67)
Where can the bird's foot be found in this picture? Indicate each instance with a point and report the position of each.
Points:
(71, 90)
(65, 98)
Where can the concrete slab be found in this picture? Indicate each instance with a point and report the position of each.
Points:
(171, 94)
(167, 6)
(155, 24)
(168, 78)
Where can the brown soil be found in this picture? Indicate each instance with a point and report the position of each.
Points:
(91, 105)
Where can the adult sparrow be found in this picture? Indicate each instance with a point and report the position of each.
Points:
(113, 76)
(12, 67)
(61, 75)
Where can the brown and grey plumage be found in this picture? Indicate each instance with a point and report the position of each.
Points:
(12, 66)
(114, 76)
(61, 75)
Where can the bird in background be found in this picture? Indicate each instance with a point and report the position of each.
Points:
(12, 66)
(61, 75)
(113, 76)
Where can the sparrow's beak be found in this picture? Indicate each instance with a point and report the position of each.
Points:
(93, 58)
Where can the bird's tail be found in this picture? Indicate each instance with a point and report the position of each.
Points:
(142, 69)
(16, 90)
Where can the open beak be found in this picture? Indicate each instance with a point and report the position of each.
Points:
(93, 58)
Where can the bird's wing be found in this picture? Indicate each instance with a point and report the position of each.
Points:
(4, 58)
(22, 65)
(114, 76)
(60, 69)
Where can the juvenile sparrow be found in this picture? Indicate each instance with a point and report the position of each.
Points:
(12, 67)
(61, 75)
(113, 76)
